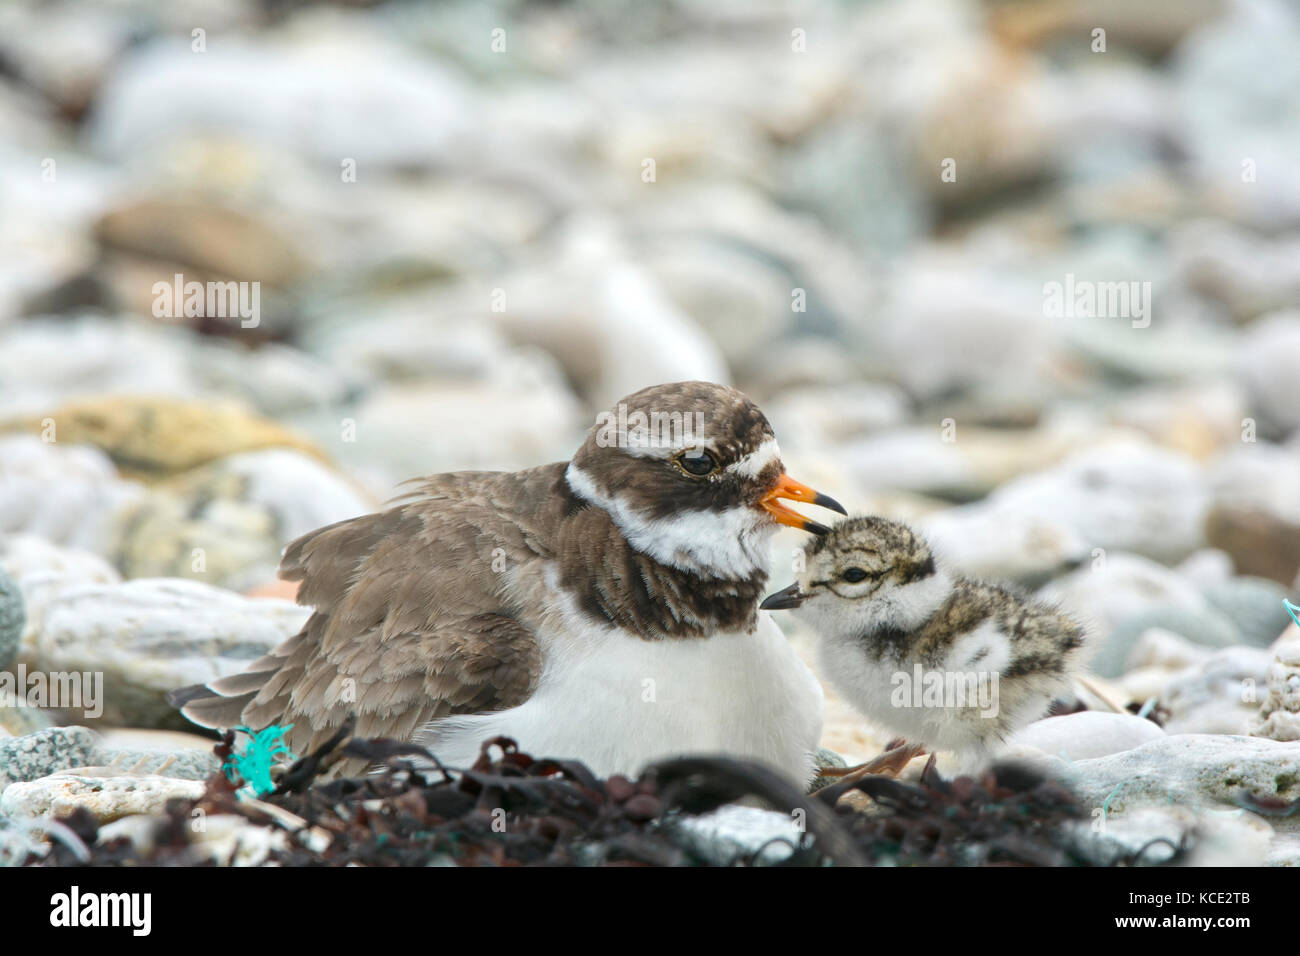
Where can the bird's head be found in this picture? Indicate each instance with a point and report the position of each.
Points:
(867, 574)
(692, 475)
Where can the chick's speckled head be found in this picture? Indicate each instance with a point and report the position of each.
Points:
(864, 560)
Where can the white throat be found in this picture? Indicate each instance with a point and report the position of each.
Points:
(730, 544)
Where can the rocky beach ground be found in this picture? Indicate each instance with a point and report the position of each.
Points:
(890, 223)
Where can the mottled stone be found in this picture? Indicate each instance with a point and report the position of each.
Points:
(1279, 714)
(1200, 771)
(225, 523)
(106, 798)
(13, 616)
(42, 753)
(1220, 695)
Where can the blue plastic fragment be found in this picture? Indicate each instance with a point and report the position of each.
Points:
(265, 748)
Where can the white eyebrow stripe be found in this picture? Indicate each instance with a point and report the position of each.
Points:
(752, 465)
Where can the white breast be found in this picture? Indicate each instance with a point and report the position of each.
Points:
(890, 692)
(617, 702)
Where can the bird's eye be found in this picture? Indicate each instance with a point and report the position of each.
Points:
(854, 575)
(697, 463)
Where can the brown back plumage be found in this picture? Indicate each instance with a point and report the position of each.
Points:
(410, 622)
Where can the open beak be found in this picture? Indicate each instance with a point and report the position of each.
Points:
(784, 599)
(787, 487)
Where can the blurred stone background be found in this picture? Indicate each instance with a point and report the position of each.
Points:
(475, 224)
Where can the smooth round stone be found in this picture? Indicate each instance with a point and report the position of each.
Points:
(1268, 366)
(1086, 735)
(1167, 651)
(42, 571)
(1254, 605)
(1261, 543)
(1200, 625)
(1116, 588)
(150, 636)
(65, 493)
(405, 110)
(1000, 545)
(1206, 568)
(968, 329)
(162, 741)
(1120, 496)
(182, 765)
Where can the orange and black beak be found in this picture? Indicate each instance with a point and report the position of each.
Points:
(787, 487)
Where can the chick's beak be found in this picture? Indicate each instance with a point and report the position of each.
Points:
(787, 487)
(784, 599)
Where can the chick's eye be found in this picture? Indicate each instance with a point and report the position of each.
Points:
(854, 575)
(698, 463)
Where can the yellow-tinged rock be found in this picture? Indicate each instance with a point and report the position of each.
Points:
(151, 437)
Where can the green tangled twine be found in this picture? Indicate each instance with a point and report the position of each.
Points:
(1291, 609)
(265, 749)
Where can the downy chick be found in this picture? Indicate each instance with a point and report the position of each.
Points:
(942, 660)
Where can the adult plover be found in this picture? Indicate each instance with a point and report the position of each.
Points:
(943, 660)
(604, 608)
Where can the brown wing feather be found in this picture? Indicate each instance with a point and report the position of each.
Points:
(409, 624)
